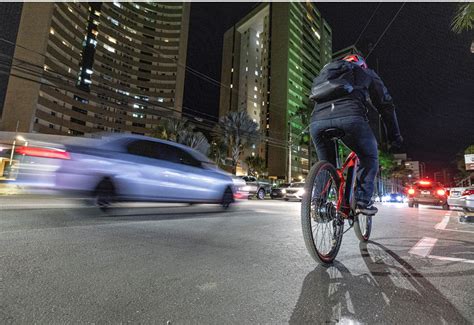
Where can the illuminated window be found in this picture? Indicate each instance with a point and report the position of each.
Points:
(232, 70)
(109, 48)
(246, 69)
(258, 43)
(160, 99)
(166, 40)
(89, 71)
(255, 88)
(231, 85)
(87, 81)
(45, 67)
(114, 21)
(117, 4)
(254, 104)
(112, 40)
(69, 8)
(94, 32)
(51, 30)
(256, 72)
(92, 41)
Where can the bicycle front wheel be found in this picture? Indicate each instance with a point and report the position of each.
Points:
(322, 224)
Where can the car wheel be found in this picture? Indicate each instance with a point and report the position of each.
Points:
(286, 199)
(105, 194)
(227, 198)
(410, 205)
(261, 194)
(415, 205)
(446, 206)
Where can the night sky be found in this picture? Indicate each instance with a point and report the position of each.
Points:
(427, 68)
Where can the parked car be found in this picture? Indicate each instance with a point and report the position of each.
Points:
(455, 198)
(256, 187)
(279, 192)
(295, 192)
(466, 199)
(428, 193)
(127, 168)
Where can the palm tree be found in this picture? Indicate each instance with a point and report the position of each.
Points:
(256, 165)
(169, 129)
(464, 19)
(239, 132)
(195, 140)
(181, 131)
(218, 151)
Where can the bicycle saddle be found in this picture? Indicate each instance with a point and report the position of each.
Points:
(333, 134)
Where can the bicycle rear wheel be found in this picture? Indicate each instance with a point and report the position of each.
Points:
(322, 225)
(363, 227)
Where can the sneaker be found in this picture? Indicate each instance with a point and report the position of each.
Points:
(366, 208)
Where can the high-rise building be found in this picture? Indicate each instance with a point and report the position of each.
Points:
(270, 58)
(86, 67)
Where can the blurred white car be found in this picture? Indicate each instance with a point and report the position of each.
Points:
(294, 192)
(126, 168)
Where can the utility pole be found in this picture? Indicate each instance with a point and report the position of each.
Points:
(290, 145)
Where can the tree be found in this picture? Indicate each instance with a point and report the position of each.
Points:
(181, 131)
(256, 165)
(195, 140)
(218, 151)
(239, 132)
(169, 128)
(464, 19)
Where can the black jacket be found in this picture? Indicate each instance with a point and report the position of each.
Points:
(369, 91)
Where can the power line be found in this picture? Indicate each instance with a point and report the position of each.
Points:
(367, 24)
(385, 30)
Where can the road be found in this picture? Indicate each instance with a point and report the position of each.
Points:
(174, 264)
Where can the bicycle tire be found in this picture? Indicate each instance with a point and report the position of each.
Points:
(307, 218)
(364, 228)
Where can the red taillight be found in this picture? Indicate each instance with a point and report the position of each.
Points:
(441, 192)
(425, 182)
(467, 192)
(411, 191)
(43, 152)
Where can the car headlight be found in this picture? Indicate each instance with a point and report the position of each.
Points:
(300, 192)
(283, 191)
(386, 198)
(246, 188)
(399, 198)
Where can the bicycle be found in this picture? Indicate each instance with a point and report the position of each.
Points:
(329, 201)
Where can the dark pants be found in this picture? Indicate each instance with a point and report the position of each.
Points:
(360, 139)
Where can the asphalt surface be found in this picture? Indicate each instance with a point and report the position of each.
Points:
(175, 264)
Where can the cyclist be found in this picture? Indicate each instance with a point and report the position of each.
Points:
(343, 93)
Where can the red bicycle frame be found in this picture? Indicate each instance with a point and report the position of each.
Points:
(346, 187)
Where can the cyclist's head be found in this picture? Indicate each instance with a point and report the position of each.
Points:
(357, 59)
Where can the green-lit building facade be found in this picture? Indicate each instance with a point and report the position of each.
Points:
(270, 58)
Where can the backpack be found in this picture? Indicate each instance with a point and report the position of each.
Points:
(336, 80)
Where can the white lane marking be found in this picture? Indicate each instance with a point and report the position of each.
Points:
(423, 247)
(454, 230)
(451, 259)
(442, 225)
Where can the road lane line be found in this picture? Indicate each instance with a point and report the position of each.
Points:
(423, 247)
(451, 259)
(442, 225)
(455, 230)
